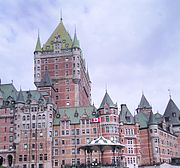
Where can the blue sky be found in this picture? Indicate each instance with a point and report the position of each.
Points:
(130, 46)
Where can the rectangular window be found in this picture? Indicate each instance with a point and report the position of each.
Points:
(73, 151)
(107, 118)
(45, 156)
(56, 151)
(41, 157)
(56, 163)
(33, 146)
(40, 145)
(25, 157)
(33, 157)
(130, 141)
(20, 158)
(94, 130)
(73, 141)
(55, 133)
(77, 131)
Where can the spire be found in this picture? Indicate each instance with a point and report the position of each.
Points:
(75, 41)
(38, 44)
(20, 97)
(152, 120)
(88, 75)
(107, 100)
(61, 18)
(46, 81)
(144, 103)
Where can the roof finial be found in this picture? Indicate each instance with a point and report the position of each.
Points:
(169, 90)
(106, 87)
(61, 16)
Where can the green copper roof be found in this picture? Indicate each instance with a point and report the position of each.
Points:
(46, 80)
(142, 119)
(107, 100)
(8, 90)
(20, 97)
(144, 103)
(125, 115)
(74, 114)
(38, 45)
(152, 119)
(172, 112)
(75, 41)
(65, 38)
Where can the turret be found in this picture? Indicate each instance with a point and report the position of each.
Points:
(37, 61)
(107, 106)
(20, 98)
(77, 66)
(154, 137)
(38, 45)
(144, 106)
(46, 85)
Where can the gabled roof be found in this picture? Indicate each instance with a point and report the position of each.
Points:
(8, 90)
(20, 97)
(46, 81)
(107, 100)
(172, 112)
(125, 115)
(38, 45)
(144, 103)
(66, 41)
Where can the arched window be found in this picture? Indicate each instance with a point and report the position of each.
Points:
(39, 116)
(43, 116)
(28, 117)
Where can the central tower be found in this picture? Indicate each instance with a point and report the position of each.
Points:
(61, 57)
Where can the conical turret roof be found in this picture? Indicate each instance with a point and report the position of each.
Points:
(20, 97)
(66, 41)
(38, 45)
(75, 41)
(144, 103)
(46, 81)
(107, 100)
(172, 112)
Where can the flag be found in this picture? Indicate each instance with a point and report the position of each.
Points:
(96, 120)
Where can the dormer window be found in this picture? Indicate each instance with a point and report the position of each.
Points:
(174, 114)
(128, 118)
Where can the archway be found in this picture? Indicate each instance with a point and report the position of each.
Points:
(10, 160)
(1, 160)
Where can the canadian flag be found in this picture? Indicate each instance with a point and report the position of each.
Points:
(96, 120)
